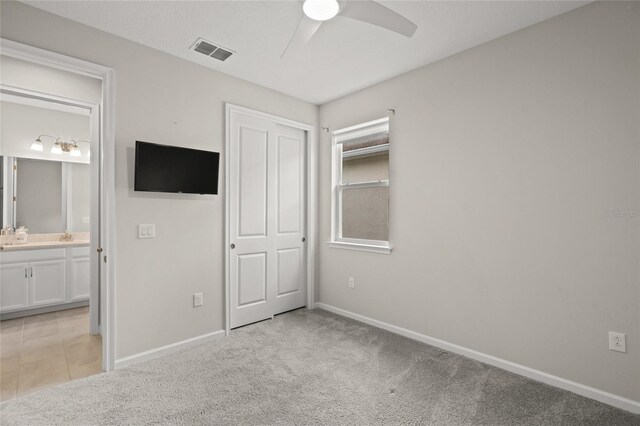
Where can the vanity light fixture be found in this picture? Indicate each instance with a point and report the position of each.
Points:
(56, 148)
(59, 146)
(37, 145)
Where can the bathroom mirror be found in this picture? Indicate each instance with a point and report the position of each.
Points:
(50, 196)
(45, 177)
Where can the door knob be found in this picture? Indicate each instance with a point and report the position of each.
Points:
(233, 246)
(304, 239)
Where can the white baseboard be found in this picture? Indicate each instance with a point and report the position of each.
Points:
(163, 350)
(540, 376)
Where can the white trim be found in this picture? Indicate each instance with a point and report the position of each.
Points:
(28, 53)
(66, 185)
(369, 184)
(366, 151)
(338, 137)
(31, 98)
(312, 185)
(168, 349)
(370, 248)
(540, 376)
(359, 130)
(8, 206)
(227, 209)
(107, 182)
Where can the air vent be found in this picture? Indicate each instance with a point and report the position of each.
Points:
(207, 48)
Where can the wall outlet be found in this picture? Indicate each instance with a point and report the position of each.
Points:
(352, 282)
(617, 341)
(198, 299)
(85, 219)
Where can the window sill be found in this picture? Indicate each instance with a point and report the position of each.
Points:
(360, 247)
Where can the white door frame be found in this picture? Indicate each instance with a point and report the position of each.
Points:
(311, 200)
(92, 110)
(106, 145)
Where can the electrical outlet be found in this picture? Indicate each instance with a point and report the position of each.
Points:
(352, 282)
(617, 341)
(198, 300)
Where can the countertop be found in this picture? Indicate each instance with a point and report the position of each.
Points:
(44, 244)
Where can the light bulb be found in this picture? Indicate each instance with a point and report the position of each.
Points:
(56, 149)
(75, 152)
(321, 10)
(37, 145)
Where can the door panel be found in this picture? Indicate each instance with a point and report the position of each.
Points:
(267, 203)
(289, 278)
(252, 159)
(252, 279)
(80, 277)
(14, 286)
(249, 179)
(47, 282)
(291, 218)
(289, 184)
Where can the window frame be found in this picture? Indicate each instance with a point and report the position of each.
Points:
(338, 137)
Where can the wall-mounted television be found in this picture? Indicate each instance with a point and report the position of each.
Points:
(164, 168)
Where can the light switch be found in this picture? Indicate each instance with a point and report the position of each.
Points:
(146, 230)
(85, 219)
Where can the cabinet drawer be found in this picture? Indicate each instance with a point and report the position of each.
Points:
(79, 251)
(31, 255)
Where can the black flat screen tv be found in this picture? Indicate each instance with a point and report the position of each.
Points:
(164, 168)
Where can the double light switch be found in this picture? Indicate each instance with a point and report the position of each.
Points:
(147, 230)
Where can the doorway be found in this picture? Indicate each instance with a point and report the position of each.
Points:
(269, 260)
(92, 257)
(49, 276)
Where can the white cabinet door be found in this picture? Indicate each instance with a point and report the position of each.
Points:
(80, 279)
(47, 282)
(14, 286)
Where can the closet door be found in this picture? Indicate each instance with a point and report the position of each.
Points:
(289, 214)
(266, 218)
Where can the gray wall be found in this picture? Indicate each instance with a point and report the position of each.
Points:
(505, 160)
(79, 196)
(162, 99)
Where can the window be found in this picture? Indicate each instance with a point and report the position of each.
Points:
(361, 187)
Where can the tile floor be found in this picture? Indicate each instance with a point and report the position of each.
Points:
(44, 350)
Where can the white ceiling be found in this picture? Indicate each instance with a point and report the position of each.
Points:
(344, 56)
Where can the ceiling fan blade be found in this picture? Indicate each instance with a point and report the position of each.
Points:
(307, 27)
(374, 13)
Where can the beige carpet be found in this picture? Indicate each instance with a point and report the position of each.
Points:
(310, 367)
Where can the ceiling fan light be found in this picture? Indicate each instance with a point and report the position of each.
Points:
(37, 145)
(321, 10)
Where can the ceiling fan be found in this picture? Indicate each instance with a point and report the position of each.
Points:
(318, 11)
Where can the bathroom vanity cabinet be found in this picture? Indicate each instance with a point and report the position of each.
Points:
(37, 277)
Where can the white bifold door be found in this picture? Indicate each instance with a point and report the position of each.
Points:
(267, 211)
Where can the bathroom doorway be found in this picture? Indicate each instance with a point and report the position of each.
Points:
(49, 309)
(56, 181)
